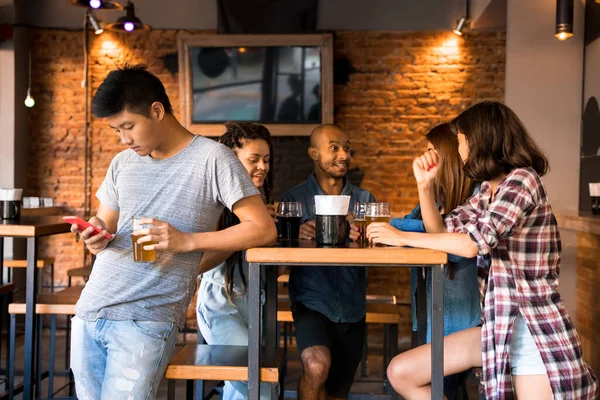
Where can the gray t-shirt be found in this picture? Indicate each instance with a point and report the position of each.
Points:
(189, 191)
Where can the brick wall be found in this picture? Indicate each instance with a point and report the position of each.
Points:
(402, 85)
(588, 286)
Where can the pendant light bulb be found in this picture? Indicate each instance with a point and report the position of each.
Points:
(29, 101)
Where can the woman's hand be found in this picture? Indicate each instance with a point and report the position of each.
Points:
(164, 236)
(381, 232)
(272, 211)
(426, 167)
(354, 233)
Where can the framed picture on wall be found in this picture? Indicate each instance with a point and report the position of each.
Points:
(282, 81)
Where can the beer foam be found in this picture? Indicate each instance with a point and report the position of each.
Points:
(331, 205)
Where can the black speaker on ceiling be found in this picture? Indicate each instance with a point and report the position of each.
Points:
(267, 16)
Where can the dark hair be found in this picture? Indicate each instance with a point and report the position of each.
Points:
(452, 186)
(130, 88)
(234, 137)
(498, 142)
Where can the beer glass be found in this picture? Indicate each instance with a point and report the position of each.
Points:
(359, 213)
(289, 215)
(139, 254)
(377, 212)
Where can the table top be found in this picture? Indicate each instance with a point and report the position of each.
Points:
(307, 252)
(34, 226)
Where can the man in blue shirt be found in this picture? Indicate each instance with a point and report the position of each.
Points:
(328, 302)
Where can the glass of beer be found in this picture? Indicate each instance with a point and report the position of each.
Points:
(377, 212)
(359, 213)
(139, 254)
(289, 215)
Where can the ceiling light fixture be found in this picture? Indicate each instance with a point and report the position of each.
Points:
(129, 22)
(97, 4)
(564, 19)
(95, 23)
(459, 26)
(463, 21)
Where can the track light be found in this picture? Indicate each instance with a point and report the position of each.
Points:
(95, 24)
(459, 26)
(564, 19)
(128, 22)
(97, 4)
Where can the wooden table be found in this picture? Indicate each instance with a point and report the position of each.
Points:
(30, 228)
(306, 254)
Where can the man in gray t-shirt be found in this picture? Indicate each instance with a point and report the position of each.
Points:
(130, 313)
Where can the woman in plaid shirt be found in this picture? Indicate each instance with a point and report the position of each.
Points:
(527, 344)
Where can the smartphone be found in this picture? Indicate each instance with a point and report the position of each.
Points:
(83, 225)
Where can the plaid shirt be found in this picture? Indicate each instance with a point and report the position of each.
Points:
(518, 234)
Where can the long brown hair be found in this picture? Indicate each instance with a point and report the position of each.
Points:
(235, 136)
(452, 186)
(498, 142)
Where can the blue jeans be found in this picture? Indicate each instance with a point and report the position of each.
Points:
(221, 322)
(120, 359)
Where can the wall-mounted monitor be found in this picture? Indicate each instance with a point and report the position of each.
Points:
(282, 81)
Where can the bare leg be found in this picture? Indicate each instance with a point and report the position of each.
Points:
(410, 372)
(532, 387)
(316, 362)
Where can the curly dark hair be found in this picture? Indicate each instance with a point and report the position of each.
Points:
(234, 138)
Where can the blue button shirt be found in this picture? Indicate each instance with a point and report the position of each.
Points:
(339, 293)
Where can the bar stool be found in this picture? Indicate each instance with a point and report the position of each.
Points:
(41, 264)
(84, 273)
(59, 303)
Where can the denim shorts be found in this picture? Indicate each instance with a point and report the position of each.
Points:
(525, 357)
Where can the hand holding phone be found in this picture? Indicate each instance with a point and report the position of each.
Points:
(83, 225)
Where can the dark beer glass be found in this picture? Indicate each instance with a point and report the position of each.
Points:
(289, 215)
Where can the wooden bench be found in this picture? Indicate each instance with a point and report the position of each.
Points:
(41, 263)
(59, 303)
(221, 363)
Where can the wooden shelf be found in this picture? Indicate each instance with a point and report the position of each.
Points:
(41, 211)
(583, 221)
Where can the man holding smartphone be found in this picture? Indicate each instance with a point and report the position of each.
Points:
(130, 313)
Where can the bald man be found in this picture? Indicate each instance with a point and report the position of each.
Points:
(328, 302)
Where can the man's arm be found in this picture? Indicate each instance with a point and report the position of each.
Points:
(256, 228)
(107, 219)
(211, 259)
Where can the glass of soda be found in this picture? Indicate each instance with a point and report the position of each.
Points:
(289, 215)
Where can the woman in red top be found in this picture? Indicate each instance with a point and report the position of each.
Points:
(527, 343)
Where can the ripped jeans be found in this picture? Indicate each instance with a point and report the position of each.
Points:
(120, 359)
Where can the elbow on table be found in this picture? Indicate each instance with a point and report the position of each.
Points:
(269, 235)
